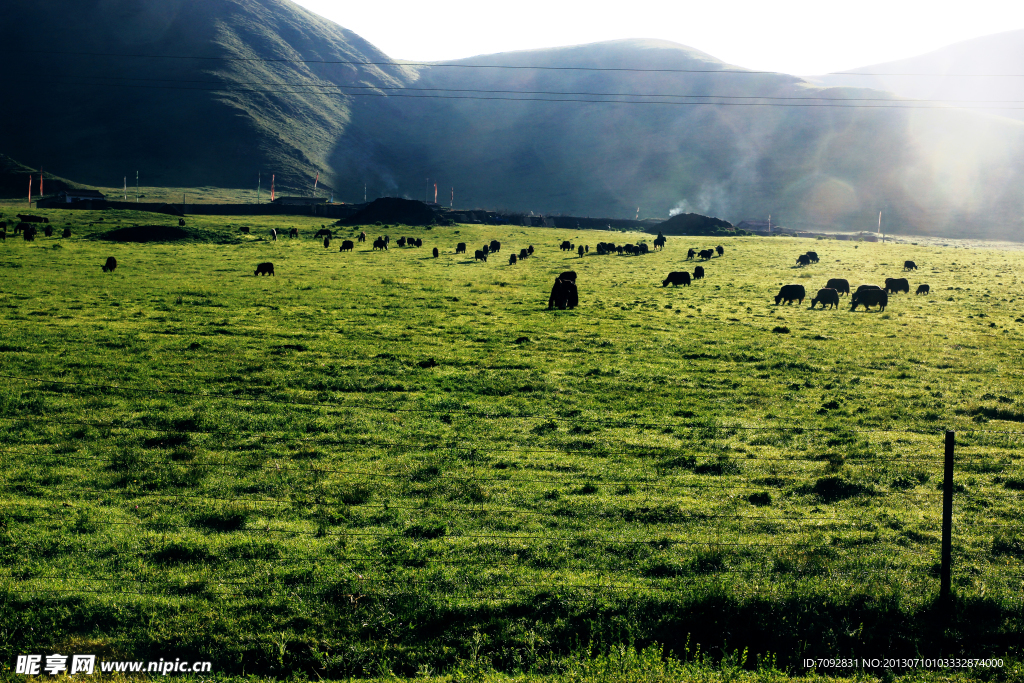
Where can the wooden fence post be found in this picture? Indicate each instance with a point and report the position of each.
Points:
(947, 518)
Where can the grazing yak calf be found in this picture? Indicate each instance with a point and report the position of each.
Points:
(347, 245)
(827, 297)
(264, 268)
(565, 246)
(791, 293)
(523, 254)
(894, 285)
(495, 246)
(676, 278)
(803, 260)
(690, 254)
(67, 233)
(529, 250)
(512, 259)
(840, 285)
(720, 249)
(460, 248)
(480, 255)
(813, 256)
(909, 265)
(401, 241)
(579, 251)
(563, 294)
(273, 234)
(587, 247)
(244, 230)
(28, 233)
(110, 265)
(48, 231)
(379, 243)
(706, 254)
(868, 298)
(419, 242)
(294, 232)
(327, 242)
(923, 289)
(436, 252)
(323, 232)
(362, 237)
(698, 273)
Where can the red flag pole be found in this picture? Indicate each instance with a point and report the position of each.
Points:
(30, 190)
(272, 176)
(435, 193)
(41, 193)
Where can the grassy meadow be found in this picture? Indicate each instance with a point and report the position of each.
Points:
(380, 463)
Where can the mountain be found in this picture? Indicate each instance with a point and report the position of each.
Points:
(983, 71)
(669, 129)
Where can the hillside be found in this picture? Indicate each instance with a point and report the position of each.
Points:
(764, 144)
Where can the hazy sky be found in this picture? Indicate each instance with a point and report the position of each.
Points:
(801, 37)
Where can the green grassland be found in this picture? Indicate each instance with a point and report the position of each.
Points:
(379, 462)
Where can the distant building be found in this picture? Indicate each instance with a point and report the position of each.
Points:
(69, 196)
(753, 225)
(300, 201)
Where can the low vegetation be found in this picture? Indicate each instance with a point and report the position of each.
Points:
(377, 463)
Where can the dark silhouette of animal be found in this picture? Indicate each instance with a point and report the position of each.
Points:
(379, 243)
(894, 285)
(512, 259)
(565, 246)
(791, 293)
(869, 298)
(20, 228)
(480, 255)
(909, 265)
(529, 250)
(563, 294)
(460, 248)
(690, 254)
(568, 275)
(323, 232)
(419, 242)
(48, 231)
(362, 237)
(863, 287)
(923, 289)
(580, 251)
(827, 297)
(110, 265)
(28, 233)
(840, 285)
(676, 278)
(387, 240)
(587, 247)
(485, 250)
(813, 256)
(495, 246)
(3, 226)
(294, 232)
(436, 252)
(698, 273)
(659, 242)
(244, 229)
(327, 242)
(264, 268)
(642, 248)
(67, 233)
(25, 218)
(720, 249)
(3, 236)
(347, 245)
(803, 260)
(273, 233)
(706, 254)
(181, 222)
(523, 253)
(401, 242)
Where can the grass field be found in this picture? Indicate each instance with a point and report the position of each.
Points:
(381, 462)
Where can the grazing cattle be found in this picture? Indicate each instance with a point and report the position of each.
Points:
(485, 250)
(28, 233)
(909, 265)
(460, 248)
(803, 260)
(690, 254)
(523, 253)
(827, 297)
(580, 251)
(401, 241)
(698, 273)
(563, 294)
(720, 249)
(791, 293)
(923, 289)
(362, 237)
(181, 222)
(894, 285)
(20, 227)
(436, 252)
(48, 231)
(840, 285)
(31, 219)
(347, 245)
(868, 298)
(387, 239)
(587, 247)
(568, 275)
(619, 250)
(323, 232)
(273, 234)
(642, 248)
(529, 250)
(327, 242)
(264, 269)
(67, 233)
(813, 256)
(110, 265)
(676, 278)
(706, 254)
(565, 246)
(244, 229)
(863, 287)
(419, 242)
(495, 246)
(480, 255)
(294, 232)
(379, 244)
(512, 259)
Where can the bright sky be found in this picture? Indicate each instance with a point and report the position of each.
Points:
(800, 37)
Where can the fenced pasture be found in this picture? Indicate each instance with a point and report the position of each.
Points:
(378, 462)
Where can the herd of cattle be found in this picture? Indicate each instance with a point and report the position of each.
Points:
(25, 226)
(865, 295)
